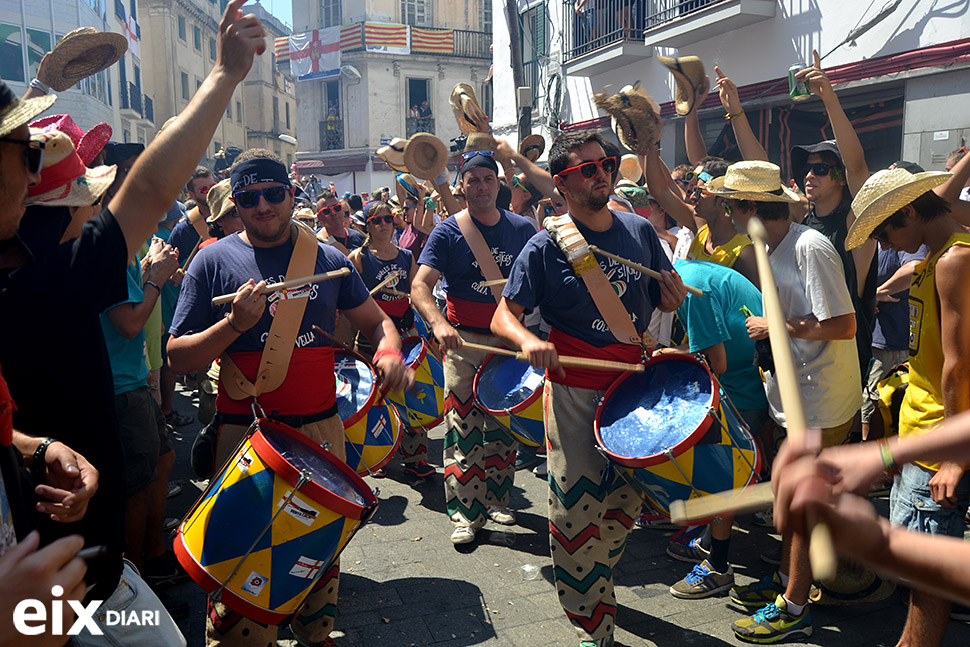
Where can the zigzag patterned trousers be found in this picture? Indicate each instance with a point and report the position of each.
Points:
(591, 511)
(479, 456)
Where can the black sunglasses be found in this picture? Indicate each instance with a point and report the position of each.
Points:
(327, 210)
(818, 169)
(588, 169)
(33, 155)
(249, 199)
(389, 219)
(879, 233)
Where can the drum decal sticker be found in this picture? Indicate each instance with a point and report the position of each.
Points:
(254, 583)
(380, 427)
(307, 568)
(299, 510)
(244, 460)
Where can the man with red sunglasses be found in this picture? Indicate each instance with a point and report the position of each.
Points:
(585, 492)
(334, 217)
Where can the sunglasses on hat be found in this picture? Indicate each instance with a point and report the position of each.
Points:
(335, 209)
(33, 155)
(588, 169)
(470, 154)
(250, 198)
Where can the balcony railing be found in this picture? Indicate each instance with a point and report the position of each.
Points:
(667, 10)
(332, 134)
(472, 44)
(419, 125)
(149, 109)
(601, 23)
(135, 94)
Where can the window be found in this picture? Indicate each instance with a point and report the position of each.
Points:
(229, 111)
(185, 86)
(276, 113)
(416, 12)
(197, 37)
(137, 75)
(212, 49)
(123, 78)
(134, 10)
(331, 13)
(97, 5)
(486, 16)
(287, 106)
(11, 54)
(534, 46)
(181, 27)
(198, 83)
(239, 111)
(38, 44)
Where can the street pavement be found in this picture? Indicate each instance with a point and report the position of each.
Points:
(404, 584)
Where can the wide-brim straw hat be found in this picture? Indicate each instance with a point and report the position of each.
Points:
(532, 147)
(81, 53)
(64, 179)
(634, 116)
(630, 168)
(16, 112)
(468, 113)
(688, 74)
(393, 154)
(409, 184)
(304, 214)
(885, 193)
(754, 180)
(425, 156)
(87, 144)
(219, 199)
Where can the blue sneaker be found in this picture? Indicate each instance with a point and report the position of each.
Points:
(703, 582)
(773, 623)
(525, 459)
(691, 552)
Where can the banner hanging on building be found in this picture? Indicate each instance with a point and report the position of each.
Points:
(315, 54)
(432, 41)
(387, 38)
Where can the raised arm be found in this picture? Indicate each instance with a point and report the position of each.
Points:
(162, 170)
(950, 191)
(696, 148)
(658, 184)
(751, 148)
(538, 177)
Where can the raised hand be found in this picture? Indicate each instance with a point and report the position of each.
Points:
(817, 81)
(240, 38)
(727, 92)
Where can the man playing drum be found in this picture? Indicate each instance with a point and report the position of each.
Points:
(301, 394)
(591, 510)
(465, 250)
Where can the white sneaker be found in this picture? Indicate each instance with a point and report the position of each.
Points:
(541, 469)
(501, 515)
(463, 535)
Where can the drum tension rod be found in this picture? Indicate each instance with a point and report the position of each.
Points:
(670, 456)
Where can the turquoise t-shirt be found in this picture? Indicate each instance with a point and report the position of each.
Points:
(127, 356)
(716, 318)
(170, 291)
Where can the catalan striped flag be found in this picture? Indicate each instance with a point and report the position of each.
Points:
(352, 36)
(281, 49)
(386, 37)
(432, 41)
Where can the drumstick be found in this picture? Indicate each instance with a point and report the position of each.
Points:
(292, 283)
(640, 268)
(380, 286)
(495, 282)
(397, 293)
(565, 360)
(821, 550)
(180, 272)
(748, 499)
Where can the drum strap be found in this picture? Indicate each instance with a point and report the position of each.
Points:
(330, 240)
(275, 359)
(486, 262)
(197, 220)
(564, 231)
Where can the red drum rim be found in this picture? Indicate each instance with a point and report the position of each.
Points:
(285, 470)
(371, 397)
(520, 407)
(683, 445)
(421, 354)
(402, 410)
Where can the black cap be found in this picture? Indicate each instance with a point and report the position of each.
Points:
(800, 154)
(912, 167)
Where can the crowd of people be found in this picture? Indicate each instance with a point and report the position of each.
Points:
(110, 272)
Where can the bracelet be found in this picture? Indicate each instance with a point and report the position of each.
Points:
(384, 352)
(729, 116)
(37, 84)
(153, 284)
(37, 465)
(232, 325)
(888, 462)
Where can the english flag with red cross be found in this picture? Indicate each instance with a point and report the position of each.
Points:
(315, 54)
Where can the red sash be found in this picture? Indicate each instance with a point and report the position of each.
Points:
(394, 308)
(310, 386)
(470, 313)
(586, 378)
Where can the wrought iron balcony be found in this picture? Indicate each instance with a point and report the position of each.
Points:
(149, 109)
(135, 98)
(420, 125)
(332, 134)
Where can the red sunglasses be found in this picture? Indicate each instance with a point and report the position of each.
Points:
(588, 169)
(326, 210)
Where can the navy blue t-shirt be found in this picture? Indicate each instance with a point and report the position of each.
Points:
(447, 252)
(183, 238)
(891, 331)
(223, 266)
(352, 239)
(375, 270)
(542, 277)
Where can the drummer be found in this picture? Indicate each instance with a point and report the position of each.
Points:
(304, 393)
(377, 259)
(584, 490)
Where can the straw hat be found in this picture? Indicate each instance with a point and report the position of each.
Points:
(634, 116)
(219, 200)
(304, 214)
(754, 180)
(885, 193)
(409, 184)
(64, 180)
(688, 73)
(630, 168)
(15, 112)
(468, 113)
(532, 147)
(393, 154)
(87, 144)
(81, 53)
(425, 156)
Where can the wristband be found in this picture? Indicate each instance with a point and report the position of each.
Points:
(37, 84)
(430, 204)
(888, 462)
(384, 352)
(153, 284)
(37, 465)
(729, 116)
(232, 325)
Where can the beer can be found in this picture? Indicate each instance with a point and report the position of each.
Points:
(797, 89)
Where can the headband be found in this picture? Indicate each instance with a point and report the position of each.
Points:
(258, 169)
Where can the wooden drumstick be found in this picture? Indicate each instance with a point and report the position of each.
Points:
(293, 283)
(397, 293)
(489, 284)
(565, 360)
(821, 550)
(748, 499)
(640, 268)
(180, 272)
(380, 286)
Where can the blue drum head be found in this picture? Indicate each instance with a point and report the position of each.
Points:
(651, 412)
(505, 382)
(355, 382)
(411, 349)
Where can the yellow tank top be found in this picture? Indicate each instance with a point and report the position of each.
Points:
(725, 254)
(923, 404)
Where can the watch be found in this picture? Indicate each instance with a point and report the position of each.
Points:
(37, 464)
